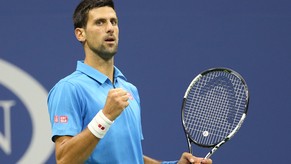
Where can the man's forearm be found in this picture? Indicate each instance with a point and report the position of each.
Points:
(148, 160)
(75, 149)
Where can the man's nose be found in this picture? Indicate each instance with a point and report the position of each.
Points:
(110, 28)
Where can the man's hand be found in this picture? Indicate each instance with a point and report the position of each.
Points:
(188, 158)
(116, 102)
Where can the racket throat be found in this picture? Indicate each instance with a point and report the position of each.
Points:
(189, 144)
(215, 148)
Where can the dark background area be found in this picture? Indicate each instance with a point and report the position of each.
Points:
(163, 45)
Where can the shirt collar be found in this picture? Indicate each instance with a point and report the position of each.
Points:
(95, 74)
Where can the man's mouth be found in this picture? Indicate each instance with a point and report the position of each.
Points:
(110, 39)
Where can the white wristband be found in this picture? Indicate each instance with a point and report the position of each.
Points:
(99, 125)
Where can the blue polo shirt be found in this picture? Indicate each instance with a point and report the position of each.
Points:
(76, 99)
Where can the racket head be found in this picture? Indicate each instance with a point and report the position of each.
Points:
(214, 106)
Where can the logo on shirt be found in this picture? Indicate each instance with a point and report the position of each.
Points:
(130, 96)
(56, 119)
(61, 119)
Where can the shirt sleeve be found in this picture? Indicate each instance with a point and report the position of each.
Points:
(64, 110)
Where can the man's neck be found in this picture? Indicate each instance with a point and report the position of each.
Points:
(104, 66)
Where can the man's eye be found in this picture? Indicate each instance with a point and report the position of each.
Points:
(99, 23)
(114, 22)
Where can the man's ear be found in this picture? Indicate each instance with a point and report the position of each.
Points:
(80, 34)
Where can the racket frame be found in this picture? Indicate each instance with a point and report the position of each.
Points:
(235, 130)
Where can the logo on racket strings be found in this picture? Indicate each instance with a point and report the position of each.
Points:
(205, 133)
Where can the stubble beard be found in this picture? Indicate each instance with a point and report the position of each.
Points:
(106, 52)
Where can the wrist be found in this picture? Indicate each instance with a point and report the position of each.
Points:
(99, 125)
(109, 116)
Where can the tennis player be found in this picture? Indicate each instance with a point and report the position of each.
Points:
(95, 111)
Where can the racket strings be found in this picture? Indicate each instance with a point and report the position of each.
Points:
(212, 111)
(207, 119)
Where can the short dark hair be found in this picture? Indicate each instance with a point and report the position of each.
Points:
(80, 16)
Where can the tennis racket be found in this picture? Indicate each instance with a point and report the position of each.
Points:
(214, 108)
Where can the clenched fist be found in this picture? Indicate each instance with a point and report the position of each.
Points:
(116, 102)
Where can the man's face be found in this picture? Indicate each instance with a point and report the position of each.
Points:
(102, 32)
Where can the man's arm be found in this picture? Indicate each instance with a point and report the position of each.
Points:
(186, 158)
(75, 149)
(148, 160)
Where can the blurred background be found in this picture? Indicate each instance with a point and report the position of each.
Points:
(163, 45)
